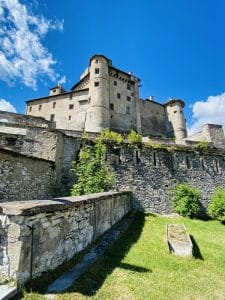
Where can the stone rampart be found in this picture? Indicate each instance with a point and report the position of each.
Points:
(152, 174)
(61, 228)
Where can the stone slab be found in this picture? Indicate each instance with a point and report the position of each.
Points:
(7, 292)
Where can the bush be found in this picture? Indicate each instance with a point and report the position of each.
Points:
(93, 174)
(216, 208)
(186, 200)
(111, 136)
(134, 138)
(202, 146)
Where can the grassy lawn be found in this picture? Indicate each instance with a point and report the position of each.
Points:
(139, 265)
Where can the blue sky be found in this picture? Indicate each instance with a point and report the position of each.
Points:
(176, 48)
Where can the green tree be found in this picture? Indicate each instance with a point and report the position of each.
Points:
(92, 172)
(216, 207)
(186, 200)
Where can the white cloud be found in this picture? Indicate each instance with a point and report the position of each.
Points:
(210, 111)
(6, 106)
(62, 80)
(22, 55)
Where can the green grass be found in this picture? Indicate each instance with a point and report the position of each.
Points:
(139, 265)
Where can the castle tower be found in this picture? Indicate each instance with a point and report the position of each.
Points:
(97, 116)
(176, 119)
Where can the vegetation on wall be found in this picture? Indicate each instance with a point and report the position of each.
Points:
(202, 146)
(186, 200)
(93, 173)
(111, 137)
(216, 208)
(134, 138)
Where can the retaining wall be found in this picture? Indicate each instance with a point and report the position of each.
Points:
(62, 228)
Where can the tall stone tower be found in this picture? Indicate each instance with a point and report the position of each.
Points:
(97, 116)
(176, 118)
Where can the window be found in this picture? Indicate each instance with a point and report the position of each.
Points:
(96, 61)
(118, 95)
(97, 71)
(115, 83)
(40, 106)
(128, 98)
(175, 111)
(52, 117)
(111, 106)
(69, 118)
(30, 108)
(96, 83)
(128, 110)
(128, 86)
(71, 96)
(71, 106)
(54, 104)
(54, 91)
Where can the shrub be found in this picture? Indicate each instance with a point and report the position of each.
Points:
(186, 200)
(111, 136)
(93, 173)
(153, 145)
(216, 208)
(134, 138)
(202, 146)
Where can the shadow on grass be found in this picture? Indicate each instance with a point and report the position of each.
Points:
(91, 281)
(196, 250)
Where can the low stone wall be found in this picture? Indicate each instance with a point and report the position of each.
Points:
(62, 228)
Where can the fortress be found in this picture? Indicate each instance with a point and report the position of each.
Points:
(37, 149)
(106, 97)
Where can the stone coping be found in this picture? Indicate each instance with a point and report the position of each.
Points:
(32, 207)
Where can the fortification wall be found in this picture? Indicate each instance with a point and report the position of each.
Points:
(152, 174)
(26, 178)
(62, 228)
(14, 118)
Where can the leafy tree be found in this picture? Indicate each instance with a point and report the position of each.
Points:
(186, 200)
(216, 208)
(93, 174)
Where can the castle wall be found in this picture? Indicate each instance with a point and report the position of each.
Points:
(123, 109)
(153, 118)
(62, 228)
(67, 110)
(152, 174)
(26, 178)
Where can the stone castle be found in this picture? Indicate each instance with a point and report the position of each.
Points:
(37, 149)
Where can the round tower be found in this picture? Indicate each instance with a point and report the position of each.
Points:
(97, 117)
(176, 118)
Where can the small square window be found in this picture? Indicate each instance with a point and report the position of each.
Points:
(111, 105)
(128, 110)
(40, 106)
(71, 96)
(54, 104)
(96, 83)
(96, 61)
(118, 95)
(30, 108)
(52, 117)
(54, 91)
(128, 86)
(69, 118)
(97, 71)
(128, 98)
(71, 106)
(115, 83)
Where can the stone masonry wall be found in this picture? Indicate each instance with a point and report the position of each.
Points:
(152, 174)
(62, 228)
(26, 178)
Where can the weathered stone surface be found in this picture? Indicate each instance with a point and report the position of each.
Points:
(153, 174)
(62, 227)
